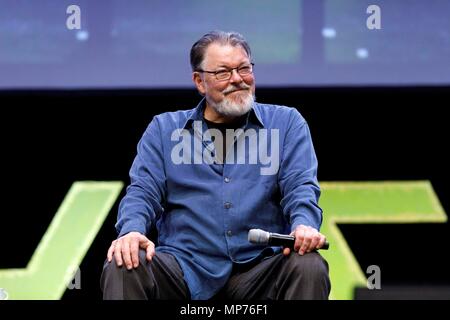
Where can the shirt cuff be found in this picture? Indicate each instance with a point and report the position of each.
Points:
(130, 227)
(302, 220)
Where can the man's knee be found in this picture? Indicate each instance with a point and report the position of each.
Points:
(142, 257)
(312, 265)
(306, 277)
(113, 271)
(117, 282)
(111, 267)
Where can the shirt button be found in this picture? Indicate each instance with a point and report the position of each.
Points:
(227, 205)
(227, 179)
(229, 233)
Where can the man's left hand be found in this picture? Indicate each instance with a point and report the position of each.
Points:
(307, 239)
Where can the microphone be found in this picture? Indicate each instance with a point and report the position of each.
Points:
(258, 236)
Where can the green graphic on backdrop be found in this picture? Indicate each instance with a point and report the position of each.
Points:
(64, 244)
(87, 204)
(369, 202)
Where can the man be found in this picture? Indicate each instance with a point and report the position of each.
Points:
(204, 177)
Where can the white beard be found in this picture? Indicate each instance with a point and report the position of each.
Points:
(230, 107)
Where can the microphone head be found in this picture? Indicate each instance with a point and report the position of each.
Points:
(258, 236)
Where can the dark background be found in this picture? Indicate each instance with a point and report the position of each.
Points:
(49, 139)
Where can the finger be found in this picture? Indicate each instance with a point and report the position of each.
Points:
(118, 253)
(150, 250)
(305, 244)
(286, 251)
(314, 242)
(312, 239)
(111, 250)
(126, 255)
(144, 242)
(299, 237)
(134, 250)
(149, 247)
(321, 242)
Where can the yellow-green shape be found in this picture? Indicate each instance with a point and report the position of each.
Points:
(369, 202)
(64, 244)
(87, 204)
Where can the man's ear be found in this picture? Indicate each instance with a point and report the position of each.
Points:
(199, 83)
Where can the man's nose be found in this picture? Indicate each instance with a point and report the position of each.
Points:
(235, 77)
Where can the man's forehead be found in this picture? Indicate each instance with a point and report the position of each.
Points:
(219, 54)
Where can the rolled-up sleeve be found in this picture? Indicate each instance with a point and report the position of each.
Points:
(146, 192)
(298, 176)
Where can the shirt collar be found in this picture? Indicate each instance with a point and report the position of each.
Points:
(196, 114)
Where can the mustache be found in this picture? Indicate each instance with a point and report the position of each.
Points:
(236, 88)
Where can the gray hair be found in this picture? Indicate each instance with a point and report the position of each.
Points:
(199, 48)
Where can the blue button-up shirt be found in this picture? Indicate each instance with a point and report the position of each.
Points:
(203, 208)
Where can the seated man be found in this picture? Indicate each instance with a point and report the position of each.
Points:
(206, 176)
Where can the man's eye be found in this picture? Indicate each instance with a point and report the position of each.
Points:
(221, 73)
(245, 70)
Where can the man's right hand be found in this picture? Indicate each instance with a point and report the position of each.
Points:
(126, 249)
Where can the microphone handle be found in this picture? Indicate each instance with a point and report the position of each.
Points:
(283, 240)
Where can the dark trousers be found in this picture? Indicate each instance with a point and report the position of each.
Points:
(293, 277)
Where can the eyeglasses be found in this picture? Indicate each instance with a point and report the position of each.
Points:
(224, 75)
